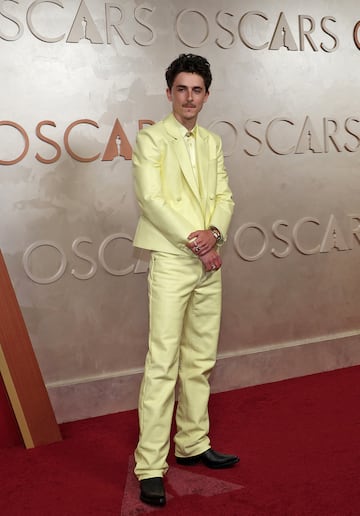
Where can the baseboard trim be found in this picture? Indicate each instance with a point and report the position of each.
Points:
(99, 395)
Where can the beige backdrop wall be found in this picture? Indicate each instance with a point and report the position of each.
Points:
(77, 81)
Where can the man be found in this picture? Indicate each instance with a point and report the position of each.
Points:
(186, 206)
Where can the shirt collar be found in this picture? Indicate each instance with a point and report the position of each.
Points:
(183, 131)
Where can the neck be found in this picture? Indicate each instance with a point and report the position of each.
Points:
(189, 124)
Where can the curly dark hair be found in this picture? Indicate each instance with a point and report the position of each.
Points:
(189, 63)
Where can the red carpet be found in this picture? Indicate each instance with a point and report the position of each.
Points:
(299, 442)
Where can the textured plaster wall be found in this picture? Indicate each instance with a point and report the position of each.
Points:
(74, 76)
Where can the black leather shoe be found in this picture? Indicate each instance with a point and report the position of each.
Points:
(152, 491)
(210, 458)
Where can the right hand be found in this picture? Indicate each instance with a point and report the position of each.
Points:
(211, 261)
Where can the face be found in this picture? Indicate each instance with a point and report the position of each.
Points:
(188, 96)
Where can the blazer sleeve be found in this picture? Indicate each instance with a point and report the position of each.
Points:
(224, 204)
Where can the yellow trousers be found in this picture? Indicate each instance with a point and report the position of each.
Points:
(184, 321)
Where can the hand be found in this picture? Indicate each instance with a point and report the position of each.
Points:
(201, 242)
(211, 261)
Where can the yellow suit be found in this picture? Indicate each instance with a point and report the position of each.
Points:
(184, 300)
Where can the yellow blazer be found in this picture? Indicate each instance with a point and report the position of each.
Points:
(170, 202)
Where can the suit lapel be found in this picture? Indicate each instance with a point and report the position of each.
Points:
(182, 154)
(202, 153)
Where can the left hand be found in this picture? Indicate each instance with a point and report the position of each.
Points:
(201, 241)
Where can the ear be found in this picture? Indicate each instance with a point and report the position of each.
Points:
(168, 94)
(206, 95)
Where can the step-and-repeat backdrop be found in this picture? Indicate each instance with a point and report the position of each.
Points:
(78, 80)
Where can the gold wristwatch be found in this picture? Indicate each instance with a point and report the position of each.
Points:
(216, 234)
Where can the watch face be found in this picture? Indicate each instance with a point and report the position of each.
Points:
(216, 234)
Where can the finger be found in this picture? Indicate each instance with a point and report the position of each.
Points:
(193, 235)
